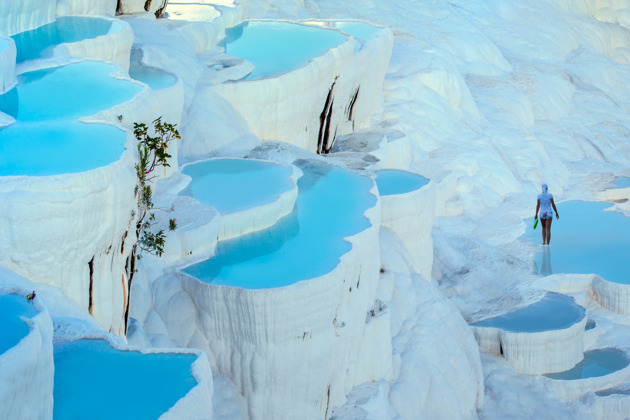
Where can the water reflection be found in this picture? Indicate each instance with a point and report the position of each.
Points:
(543, 260)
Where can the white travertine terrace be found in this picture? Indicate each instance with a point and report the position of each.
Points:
(296, 119)
(78, 229)
(114, 46)
(537, 351)
(254, 336)
(26, 370)
(242, 222)
(22, 15)
(575, 388)
(411, 216)
(140, 6)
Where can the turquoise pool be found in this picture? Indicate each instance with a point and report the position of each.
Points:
(14, 329)
(93, 380)
(233, 185)
(392, 182)
(39, 42)
(586, 239)
(275, 47)
(303, 245)
(360, 31)
(596, 363)
(47, 138)
(553, 312)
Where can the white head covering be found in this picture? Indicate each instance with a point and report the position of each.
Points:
(544, 188)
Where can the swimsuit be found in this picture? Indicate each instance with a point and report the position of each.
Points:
(545, 205)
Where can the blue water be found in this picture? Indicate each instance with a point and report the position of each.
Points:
(596, 363)
(553, 312)
(155, 78)
(361, 32)
(622, 182)
(278, 47)
(586, 239)
(305, 244)
(46, 138)
(232, 185)
(39, 42)
(95, 381)
(392, 182)
(13, 329)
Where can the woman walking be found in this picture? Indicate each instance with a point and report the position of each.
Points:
(544, 204)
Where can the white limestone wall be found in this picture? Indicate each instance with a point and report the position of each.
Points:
(114, 46)
(86, 7)
(27, 371)
(310, 333)
(75, 232)
(7, 64)
(197, 231)
(370, 65)
(535, 353)
(573, 389)
(288, 107)
(22, 15)
(612, 296)
(411, 216)
(610, 407)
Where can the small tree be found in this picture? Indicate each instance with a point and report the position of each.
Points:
(152, 154)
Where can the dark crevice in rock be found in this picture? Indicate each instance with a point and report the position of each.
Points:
(130, 270)
(327, 403)
(323, 139)
(147, 5)
(119, 7)
(90, 300)
(160, 10)
(350, 109)
(122, 242)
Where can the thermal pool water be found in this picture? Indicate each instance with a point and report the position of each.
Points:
(393, 182)
(231, 185)
(275, 47)
(553, 312)
(12, 308)
(47, 138)
(596, 363)
(586, 239)
(39, 42)
(144, 386)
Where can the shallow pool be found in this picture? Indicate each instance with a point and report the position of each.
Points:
(232, 185)
(392, 182)
(275, 47)
(39, 42)
(586, 239)
(303, 245)
(622, 182)
(14, 329)
(47, 138)
(362, 32)
(155, 78)
(596, 363)
(95, 381)
(553, 312)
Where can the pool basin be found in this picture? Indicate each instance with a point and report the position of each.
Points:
(545, 336)
(330, 206)
(96, 370)
(46, 138)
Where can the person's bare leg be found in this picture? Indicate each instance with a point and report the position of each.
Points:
(548, 228)
(543, 222)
